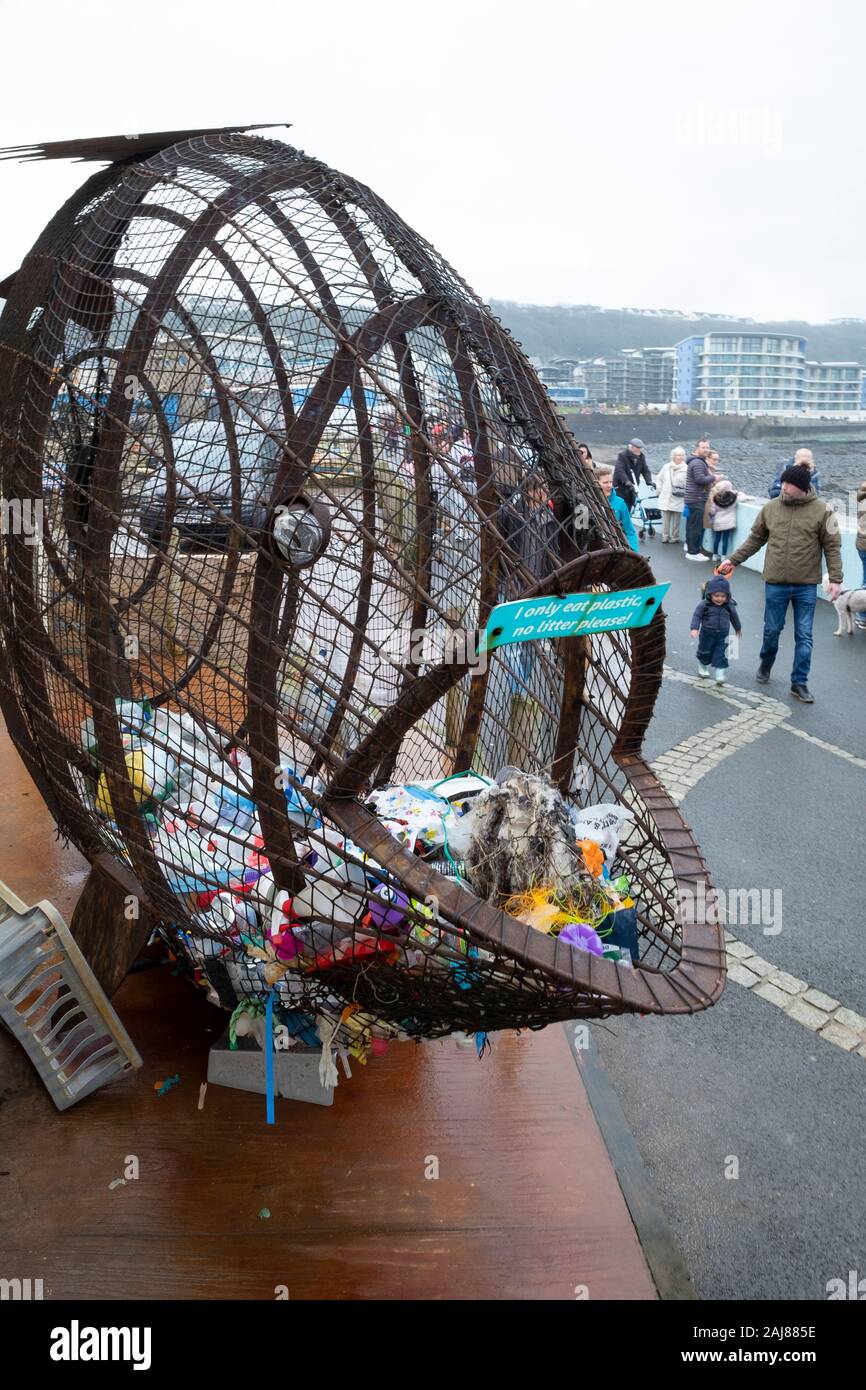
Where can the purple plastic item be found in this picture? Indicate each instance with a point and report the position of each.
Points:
(288, 947)
(388, 908)
(582, 937)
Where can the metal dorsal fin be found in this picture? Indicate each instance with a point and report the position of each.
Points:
(119, 148)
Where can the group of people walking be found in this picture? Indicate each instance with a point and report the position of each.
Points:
(799, 533)
(691, 489)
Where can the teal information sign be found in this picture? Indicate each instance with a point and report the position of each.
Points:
(572, 615)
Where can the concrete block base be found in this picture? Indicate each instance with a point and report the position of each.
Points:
(296, 1072)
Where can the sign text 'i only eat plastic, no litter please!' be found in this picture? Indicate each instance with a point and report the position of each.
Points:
(572, 615)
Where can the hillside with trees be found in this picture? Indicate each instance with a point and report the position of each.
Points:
(586, 330)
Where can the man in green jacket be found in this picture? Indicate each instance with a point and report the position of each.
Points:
(797, 528)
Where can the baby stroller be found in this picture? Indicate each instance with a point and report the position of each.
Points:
(645, 512)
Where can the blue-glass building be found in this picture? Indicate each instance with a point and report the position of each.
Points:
(741, 373)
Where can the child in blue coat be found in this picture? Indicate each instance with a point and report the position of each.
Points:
(712, 621)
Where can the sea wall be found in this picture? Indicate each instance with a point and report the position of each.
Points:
(654, 429)
(601, 428)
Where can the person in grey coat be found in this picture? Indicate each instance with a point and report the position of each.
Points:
(699, 479)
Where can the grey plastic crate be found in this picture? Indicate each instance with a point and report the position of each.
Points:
(54, 1006)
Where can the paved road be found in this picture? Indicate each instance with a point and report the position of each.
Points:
(746, 1080)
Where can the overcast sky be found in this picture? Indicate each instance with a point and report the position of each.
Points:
(659, 155)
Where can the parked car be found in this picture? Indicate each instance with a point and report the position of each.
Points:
(203, 496)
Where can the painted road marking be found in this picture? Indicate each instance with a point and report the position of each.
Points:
(827, 747)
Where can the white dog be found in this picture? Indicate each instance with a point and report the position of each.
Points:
(850, 601)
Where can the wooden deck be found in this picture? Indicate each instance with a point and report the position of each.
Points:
(525, 1205)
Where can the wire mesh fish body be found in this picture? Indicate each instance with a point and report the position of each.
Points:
(287, 466)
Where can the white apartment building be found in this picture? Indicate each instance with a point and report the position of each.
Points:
(832, 387)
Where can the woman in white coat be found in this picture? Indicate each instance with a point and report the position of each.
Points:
(671, 486)
(721, 515)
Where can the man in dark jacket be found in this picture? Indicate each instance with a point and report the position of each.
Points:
(699, 479)
(630, 467)
(801, 456)
(797, 528)
(527, 522)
